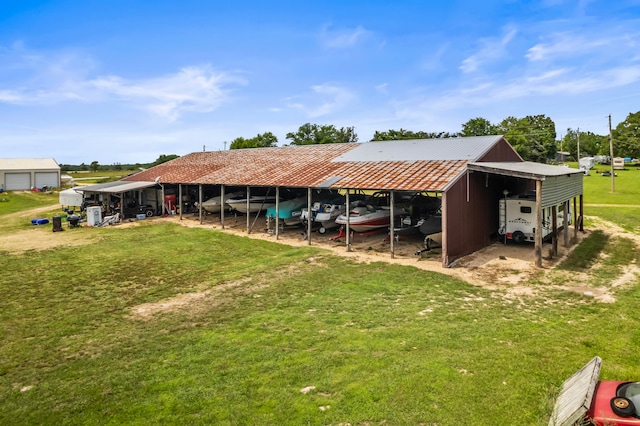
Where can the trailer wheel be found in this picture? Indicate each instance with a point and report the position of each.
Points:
(518, 237)
(148, 213)
(622, 406)
(322, 230)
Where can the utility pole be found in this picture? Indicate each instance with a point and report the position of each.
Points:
(613, 184)
(578, 147)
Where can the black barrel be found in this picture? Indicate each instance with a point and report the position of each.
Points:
(57, 223)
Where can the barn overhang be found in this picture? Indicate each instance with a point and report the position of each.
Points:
(555, 185)
(558, 183)
(116, 187)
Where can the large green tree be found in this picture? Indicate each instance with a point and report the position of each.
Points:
(534, 136)
(479, 127)
(403, 134)
(590, 143)
(626, 137)
(313, 134)
(264, 140)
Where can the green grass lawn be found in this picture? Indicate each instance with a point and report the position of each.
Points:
(369, 343)
(626, 185)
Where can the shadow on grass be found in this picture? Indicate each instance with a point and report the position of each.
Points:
(585, 255)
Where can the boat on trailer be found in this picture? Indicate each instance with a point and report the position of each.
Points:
(289, 211)
(257, 203)
(324, 213)
(371, 214)
(215, 204)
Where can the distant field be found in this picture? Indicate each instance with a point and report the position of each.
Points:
(90, 178)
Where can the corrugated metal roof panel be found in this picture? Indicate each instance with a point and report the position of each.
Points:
(117, 187)
(526, 169)
(468, 149)
(28, 164)
(412, 165)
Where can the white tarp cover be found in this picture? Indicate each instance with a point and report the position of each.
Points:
(71, 197)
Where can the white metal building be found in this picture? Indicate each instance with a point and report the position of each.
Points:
(18, 174)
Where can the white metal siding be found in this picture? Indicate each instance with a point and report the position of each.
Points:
(17, 181)
(47, 179)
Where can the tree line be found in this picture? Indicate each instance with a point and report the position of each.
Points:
(533, 137)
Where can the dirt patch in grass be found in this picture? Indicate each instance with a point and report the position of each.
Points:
(196, 302)
(42, 238)
(181, 301)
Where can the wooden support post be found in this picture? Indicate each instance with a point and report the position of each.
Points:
(223, 205)
(277, 211)
(200, 203)
(538, 234)
(445, 236)
(309, 216)
(575, 219)
(347, 227)
(179, 201)
(248, 215)
(554, 232)
(582, 212)
(163, 205)
(565, 217)
(391, 223)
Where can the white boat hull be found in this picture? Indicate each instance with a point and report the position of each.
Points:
(256, 204)
(213, 205)
(364, 219)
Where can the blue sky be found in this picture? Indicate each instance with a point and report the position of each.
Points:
(126, 81)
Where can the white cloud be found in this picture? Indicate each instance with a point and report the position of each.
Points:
(48, 78)
(491, 49)
(383, 88)
(196, 89)
(566, 45)
(325, 99)
(342, 39)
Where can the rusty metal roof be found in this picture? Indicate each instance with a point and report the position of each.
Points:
(422, 165)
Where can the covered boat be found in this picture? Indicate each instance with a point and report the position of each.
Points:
(289, 211)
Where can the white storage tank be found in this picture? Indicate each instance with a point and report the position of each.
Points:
(94, 215)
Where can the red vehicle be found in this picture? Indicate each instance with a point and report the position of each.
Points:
(585, 400)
